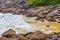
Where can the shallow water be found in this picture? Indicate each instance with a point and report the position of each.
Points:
(15, 22)
(38, 25)
(22, 24)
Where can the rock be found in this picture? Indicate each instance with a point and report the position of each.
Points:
(15, 38)
(25, 35)
(47, 26)
(3, 38)
(52, 15)
(58, 21)
(37, 36)
(48, 39)
(40, 15)
(40, 19)
(48, 13)
(53, 36)
(33, 11)
(29, 35)
(58, 38)
(50, 18)
(9, 33)
(20, 11)
(21, 37)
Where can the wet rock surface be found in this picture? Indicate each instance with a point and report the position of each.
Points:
(9, 33)
(49, 13)
(37, 35)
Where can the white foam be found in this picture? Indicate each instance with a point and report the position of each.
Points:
(10, 21)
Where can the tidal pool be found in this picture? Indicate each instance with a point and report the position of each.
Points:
(15, 22)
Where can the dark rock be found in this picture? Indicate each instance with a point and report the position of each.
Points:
(9, 33)
(47, 26)
(21, 37)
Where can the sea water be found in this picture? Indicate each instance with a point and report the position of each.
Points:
(15, 22)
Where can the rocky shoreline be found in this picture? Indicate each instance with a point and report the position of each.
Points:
(37, 35)
(50, 13)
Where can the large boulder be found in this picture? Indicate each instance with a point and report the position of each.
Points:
(9, 33)
(37, 36)
(32, 11)
(53, 15)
